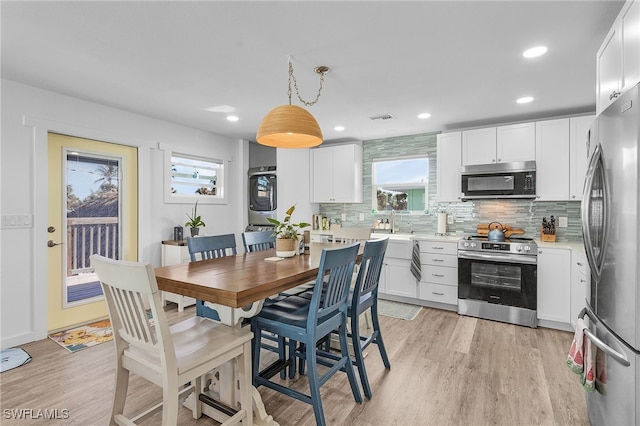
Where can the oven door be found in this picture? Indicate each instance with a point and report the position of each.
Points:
(499, 278)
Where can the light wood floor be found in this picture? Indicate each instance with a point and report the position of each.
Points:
(445, 370)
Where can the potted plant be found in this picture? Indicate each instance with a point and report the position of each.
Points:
(286, 234)
(195, 221)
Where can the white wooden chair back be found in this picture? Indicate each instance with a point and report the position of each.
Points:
(351, 235)
(129, 287)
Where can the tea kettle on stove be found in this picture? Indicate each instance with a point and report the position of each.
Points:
(496, 234)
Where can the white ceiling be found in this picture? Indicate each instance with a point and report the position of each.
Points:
(461, 61)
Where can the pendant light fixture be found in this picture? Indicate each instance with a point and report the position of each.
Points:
(291, 126)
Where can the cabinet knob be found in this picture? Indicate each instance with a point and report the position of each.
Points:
(614, 95)
(499, 160)
(493, 161)
(573, 196)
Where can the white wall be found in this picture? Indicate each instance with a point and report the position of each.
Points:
(23, 158)
(294, 184)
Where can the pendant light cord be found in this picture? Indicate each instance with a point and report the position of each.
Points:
(320, 70)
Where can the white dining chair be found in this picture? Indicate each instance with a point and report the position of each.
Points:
(170, 357)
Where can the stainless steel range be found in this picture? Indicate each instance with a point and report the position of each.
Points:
(498, 280)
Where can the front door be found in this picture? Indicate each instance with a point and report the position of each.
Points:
(92, 208)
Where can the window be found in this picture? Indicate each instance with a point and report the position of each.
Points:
(400, 184)
(192, 178)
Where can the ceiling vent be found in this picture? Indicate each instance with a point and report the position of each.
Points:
(382, 117)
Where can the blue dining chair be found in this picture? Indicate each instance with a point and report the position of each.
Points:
(258, 241)
(308, 321)
(362, 297)
(210, 247)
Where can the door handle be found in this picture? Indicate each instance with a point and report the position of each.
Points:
(51, 243)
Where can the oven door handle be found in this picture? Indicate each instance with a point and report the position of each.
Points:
(498, 257)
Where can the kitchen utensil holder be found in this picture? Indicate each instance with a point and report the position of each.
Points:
(547, 238)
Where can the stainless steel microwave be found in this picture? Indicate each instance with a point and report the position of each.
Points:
(499, 180)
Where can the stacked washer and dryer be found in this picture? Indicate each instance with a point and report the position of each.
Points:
(263, 196)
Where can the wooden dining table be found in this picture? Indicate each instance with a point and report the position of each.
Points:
(237, 286)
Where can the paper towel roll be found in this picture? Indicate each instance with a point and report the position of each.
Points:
(442, 223)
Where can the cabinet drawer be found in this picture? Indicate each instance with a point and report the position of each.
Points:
(437, 259)
(438, 293)
(440, 275)
(441, 247)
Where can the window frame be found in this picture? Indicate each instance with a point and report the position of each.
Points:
(175, 198)
(399, 185)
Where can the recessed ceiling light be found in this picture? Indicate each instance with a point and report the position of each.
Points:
(535, 51)
(524, 100)
(424, 115)
(233, 118)
(338, 128)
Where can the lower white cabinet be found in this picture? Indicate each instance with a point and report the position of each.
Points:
(396, 278)
(174, 253)
(580, 283)
(554, 285)
(439, 277)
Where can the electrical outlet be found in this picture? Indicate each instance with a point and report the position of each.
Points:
(361, 217)
(450, 219)
(344, 217)
(562, 222)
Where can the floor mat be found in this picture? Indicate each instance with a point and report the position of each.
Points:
(84, 336)
(13, 358)
(392, 309)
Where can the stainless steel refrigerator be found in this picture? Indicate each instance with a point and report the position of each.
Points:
(611, 229)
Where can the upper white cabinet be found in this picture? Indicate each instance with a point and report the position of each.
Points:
(552, 160)
(516, 142)
(336, 174)
(449, 155)
(618, 59)
(579, 150)
(562, 157)
(502, 144)
(479, 146)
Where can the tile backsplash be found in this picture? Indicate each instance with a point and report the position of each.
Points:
(523, 214)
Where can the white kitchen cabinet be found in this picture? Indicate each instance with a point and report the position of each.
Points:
(396, 278)
(618, 59)
(579, 151)
(174, 253)
(449, 156)
(502, 144)
(516, 142)
(552, 160)
(439, 272)
(336, 174)
(580, 283)
(479, 146)
(554, 285)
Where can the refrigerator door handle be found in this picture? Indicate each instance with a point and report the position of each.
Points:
(621, 358)
(595, 260)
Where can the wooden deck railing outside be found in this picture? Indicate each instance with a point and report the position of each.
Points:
(87, 236)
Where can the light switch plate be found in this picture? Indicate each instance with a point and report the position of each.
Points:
(562, 222)
(361, 217)
(450, 219)
(17, 221)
